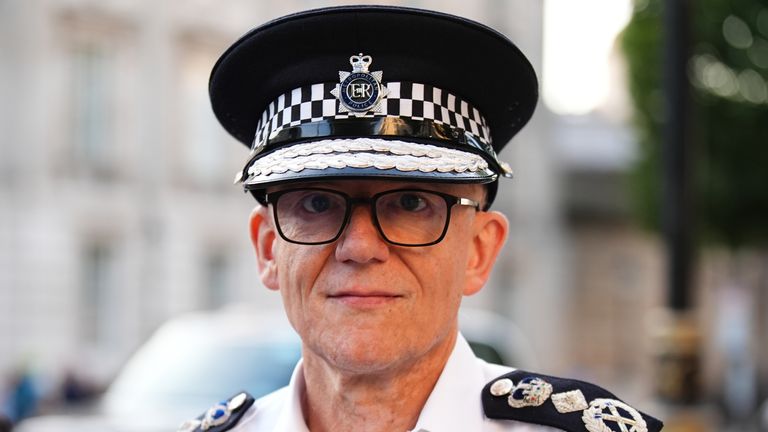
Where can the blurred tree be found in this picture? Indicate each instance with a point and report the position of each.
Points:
(728, 73)
(728, 70)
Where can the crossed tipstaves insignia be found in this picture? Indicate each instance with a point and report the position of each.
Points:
(595, 418)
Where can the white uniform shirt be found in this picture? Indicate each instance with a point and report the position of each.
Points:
(453, 405)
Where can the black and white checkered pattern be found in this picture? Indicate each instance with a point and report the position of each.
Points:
(408, 100)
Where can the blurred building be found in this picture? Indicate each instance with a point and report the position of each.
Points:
(116, 209)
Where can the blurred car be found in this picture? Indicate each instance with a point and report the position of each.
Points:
(187, 365)
(195, 360)
(497, 339)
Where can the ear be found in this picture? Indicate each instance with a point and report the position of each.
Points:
(263, 238)
(490, 233)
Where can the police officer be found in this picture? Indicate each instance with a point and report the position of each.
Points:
(374, 134)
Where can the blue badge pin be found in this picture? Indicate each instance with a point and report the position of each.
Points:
(360, 91)
(217, 415)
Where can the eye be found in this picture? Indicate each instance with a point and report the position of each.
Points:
(412, 202)
(317, 203)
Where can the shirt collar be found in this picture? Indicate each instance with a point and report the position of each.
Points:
(291, 417)
(457, 390)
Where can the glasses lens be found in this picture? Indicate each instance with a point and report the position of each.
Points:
(411, 217)
(310, 215)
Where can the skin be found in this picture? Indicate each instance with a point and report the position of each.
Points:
(378, 322)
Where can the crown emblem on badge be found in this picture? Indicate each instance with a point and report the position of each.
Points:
(360, 63)
(360, 91)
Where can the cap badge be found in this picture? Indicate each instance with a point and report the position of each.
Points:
(360, 91)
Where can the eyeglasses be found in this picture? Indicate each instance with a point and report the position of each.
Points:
(403, 217)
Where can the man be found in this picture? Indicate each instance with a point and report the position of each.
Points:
(374, 133)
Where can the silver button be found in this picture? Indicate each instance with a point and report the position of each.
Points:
(236, 402)
(502, 387)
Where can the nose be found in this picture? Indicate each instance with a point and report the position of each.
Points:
(361, 242)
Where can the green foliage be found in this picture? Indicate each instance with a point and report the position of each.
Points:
(728, 71)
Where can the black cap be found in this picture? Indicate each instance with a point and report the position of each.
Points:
(373, 91)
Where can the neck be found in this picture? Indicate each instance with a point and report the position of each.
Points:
(385, 400)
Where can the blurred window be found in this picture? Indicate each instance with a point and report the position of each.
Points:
(97, 291)
(217, 280)
(202, 148)
(93, 84)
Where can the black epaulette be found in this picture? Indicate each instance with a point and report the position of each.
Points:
(221, 417)
(566, 404)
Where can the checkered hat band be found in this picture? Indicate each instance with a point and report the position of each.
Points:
(405, 99)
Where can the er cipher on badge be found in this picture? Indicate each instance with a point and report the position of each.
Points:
(360, 91)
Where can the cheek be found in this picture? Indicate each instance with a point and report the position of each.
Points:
(453, 260)
(441, 277)
(291, 258)
(298, 269)
(456, 249)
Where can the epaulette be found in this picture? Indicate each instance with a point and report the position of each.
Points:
(221, 417)
(570, 405)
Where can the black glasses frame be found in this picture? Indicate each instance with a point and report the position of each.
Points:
(450, 201)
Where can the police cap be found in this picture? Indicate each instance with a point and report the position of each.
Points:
(373, 91)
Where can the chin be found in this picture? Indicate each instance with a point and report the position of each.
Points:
(365, 364)
(363, 355)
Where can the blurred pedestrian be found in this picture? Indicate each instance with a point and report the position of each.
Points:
(22, 396)
(5, 424)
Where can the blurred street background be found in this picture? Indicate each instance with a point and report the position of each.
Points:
(117, 209)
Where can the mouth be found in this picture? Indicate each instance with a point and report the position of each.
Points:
(364, 299)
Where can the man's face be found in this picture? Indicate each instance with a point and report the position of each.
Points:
(364, 305)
